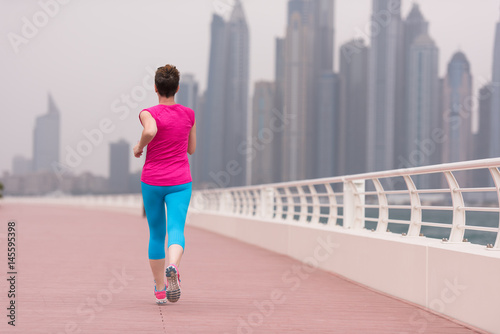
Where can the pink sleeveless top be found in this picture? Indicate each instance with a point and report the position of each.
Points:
(166, 155)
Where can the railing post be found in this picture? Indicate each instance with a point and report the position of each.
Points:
(266, 203)
(383, 206)
(458, 225)
(303, 204)
(332, 201)
(354, 212)
(495, 174)
(316, 210)
(290, 204)
(279, 204)
(416, 211)
(225, 202)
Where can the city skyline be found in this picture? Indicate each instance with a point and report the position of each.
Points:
(71, 114)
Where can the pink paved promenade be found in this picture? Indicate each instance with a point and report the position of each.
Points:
(86, 271)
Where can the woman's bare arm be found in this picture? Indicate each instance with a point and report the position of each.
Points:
(192, 140)
(149, 132)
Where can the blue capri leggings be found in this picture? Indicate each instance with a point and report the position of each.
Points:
(177, 199)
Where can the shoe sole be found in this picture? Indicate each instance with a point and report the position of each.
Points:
(161, 301)
(173, 288)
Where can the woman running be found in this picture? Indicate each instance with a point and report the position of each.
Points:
(169, 134)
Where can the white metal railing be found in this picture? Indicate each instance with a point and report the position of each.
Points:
(344, 200)
(132, 201)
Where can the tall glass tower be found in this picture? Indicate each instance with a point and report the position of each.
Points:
(414, 25)
(385, 80)
(236, 94)
(494, 150)
(46, 139)
(308, 58)
(225, 112)
(457, 118)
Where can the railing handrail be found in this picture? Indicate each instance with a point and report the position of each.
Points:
(454, 166)
(303, 201)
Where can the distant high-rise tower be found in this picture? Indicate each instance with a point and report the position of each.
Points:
(327, 125)
(423, 99)
(457, 117)
(309, 54)
(225, 112)
(119, 162)
(353, 107)
(298, 87)
(279, 107)
(263, 153)
(46, 139)
(414, 26)
(212, 123)
(482, 139)
(279, 74)
(188, 91)
(236, 93)
(188, 96)
(423, 107)
(385, 83)
(494, 150)
(196, 161)
(324, 101)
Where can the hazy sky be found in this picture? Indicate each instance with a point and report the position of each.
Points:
(91, 52)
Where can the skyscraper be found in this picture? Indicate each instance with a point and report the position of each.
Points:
(423, 99)
(263, 152)
(211, 149)
(196, 161)
(309, 54)
(279, 74)
(423, 106)
(188, 96)
(494, 150)
(327, 125)
(324, 102)
(385, 83)
(414, 26)
(457, 117)
(482, 139)
(298, 87)
(236, 94)
(188, 91)
(279, 107)
(119, 163)
(353, 127)
(46, 139)
(225, 112)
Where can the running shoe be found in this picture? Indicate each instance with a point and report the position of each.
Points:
(173, 283)
(161, 296)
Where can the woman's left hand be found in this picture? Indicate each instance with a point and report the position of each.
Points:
(137, 151)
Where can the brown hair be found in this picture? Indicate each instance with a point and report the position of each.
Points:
(167, 80)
